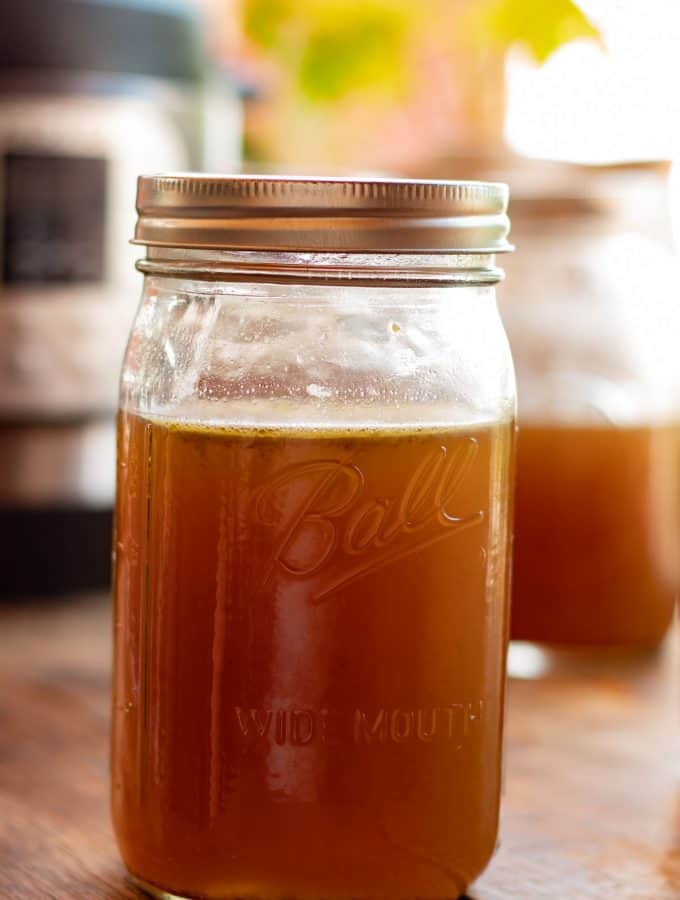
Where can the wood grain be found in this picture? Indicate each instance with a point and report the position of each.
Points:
(591, 807)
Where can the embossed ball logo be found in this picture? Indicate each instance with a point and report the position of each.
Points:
(327, 525)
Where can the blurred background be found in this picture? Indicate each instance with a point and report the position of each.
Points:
(575, 104)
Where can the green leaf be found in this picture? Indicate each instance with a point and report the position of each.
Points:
(334, 47)
(541, 26)
(364, 50)
(263, 20)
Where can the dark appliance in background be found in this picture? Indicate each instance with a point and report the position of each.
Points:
(92, 93)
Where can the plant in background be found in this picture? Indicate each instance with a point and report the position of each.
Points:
(363, 82)
(333, 47)
(538, 26)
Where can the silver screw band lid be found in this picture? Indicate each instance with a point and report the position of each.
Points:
(307, 214)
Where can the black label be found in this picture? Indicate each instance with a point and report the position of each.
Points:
(53, 219)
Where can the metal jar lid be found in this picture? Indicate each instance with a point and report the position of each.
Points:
(308, 214)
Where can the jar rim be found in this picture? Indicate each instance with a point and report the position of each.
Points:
(360, 269)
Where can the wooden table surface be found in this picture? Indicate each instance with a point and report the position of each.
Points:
(591, 805)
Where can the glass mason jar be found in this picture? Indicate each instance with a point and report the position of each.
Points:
(311, 552)
(597, 526)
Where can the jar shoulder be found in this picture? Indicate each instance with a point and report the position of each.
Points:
(314, 353)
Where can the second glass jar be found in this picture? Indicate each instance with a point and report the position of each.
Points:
(597, 526)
